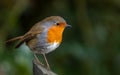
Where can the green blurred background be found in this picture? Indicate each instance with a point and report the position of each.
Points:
(91, 47)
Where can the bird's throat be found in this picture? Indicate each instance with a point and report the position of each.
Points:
(55, 34)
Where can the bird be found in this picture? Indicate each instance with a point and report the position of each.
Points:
(44, 36)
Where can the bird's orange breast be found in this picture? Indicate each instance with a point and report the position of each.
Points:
(55, 33)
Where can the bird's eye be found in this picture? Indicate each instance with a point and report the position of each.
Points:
(57, 24)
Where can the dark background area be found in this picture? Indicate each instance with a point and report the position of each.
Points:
(90, 47)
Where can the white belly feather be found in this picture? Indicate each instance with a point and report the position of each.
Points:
(52, 47)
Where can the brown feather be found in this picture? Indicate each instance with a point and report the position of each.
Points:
(26, 38)
(14, 39)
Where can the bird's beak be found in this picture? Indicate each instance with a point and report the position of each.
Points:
(68, 26)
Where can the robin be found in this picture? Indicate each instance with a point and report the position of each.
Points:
(44, 37)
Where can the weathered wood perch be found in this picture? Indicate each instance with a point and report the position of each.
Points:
(41, 70)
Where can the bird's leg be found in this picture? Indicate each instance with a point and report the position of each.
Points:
(48, 66)
(37, 60)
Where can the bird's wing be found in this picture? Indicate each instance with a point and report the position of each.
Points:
(28, 36)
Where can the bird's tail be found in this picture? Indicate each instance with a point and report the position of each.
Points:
(14, 39)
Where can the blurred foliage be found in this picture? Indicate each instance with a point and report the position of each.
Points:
(91, 47)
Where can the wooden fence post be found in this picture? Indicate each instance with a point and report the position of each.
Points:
(41, 70)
